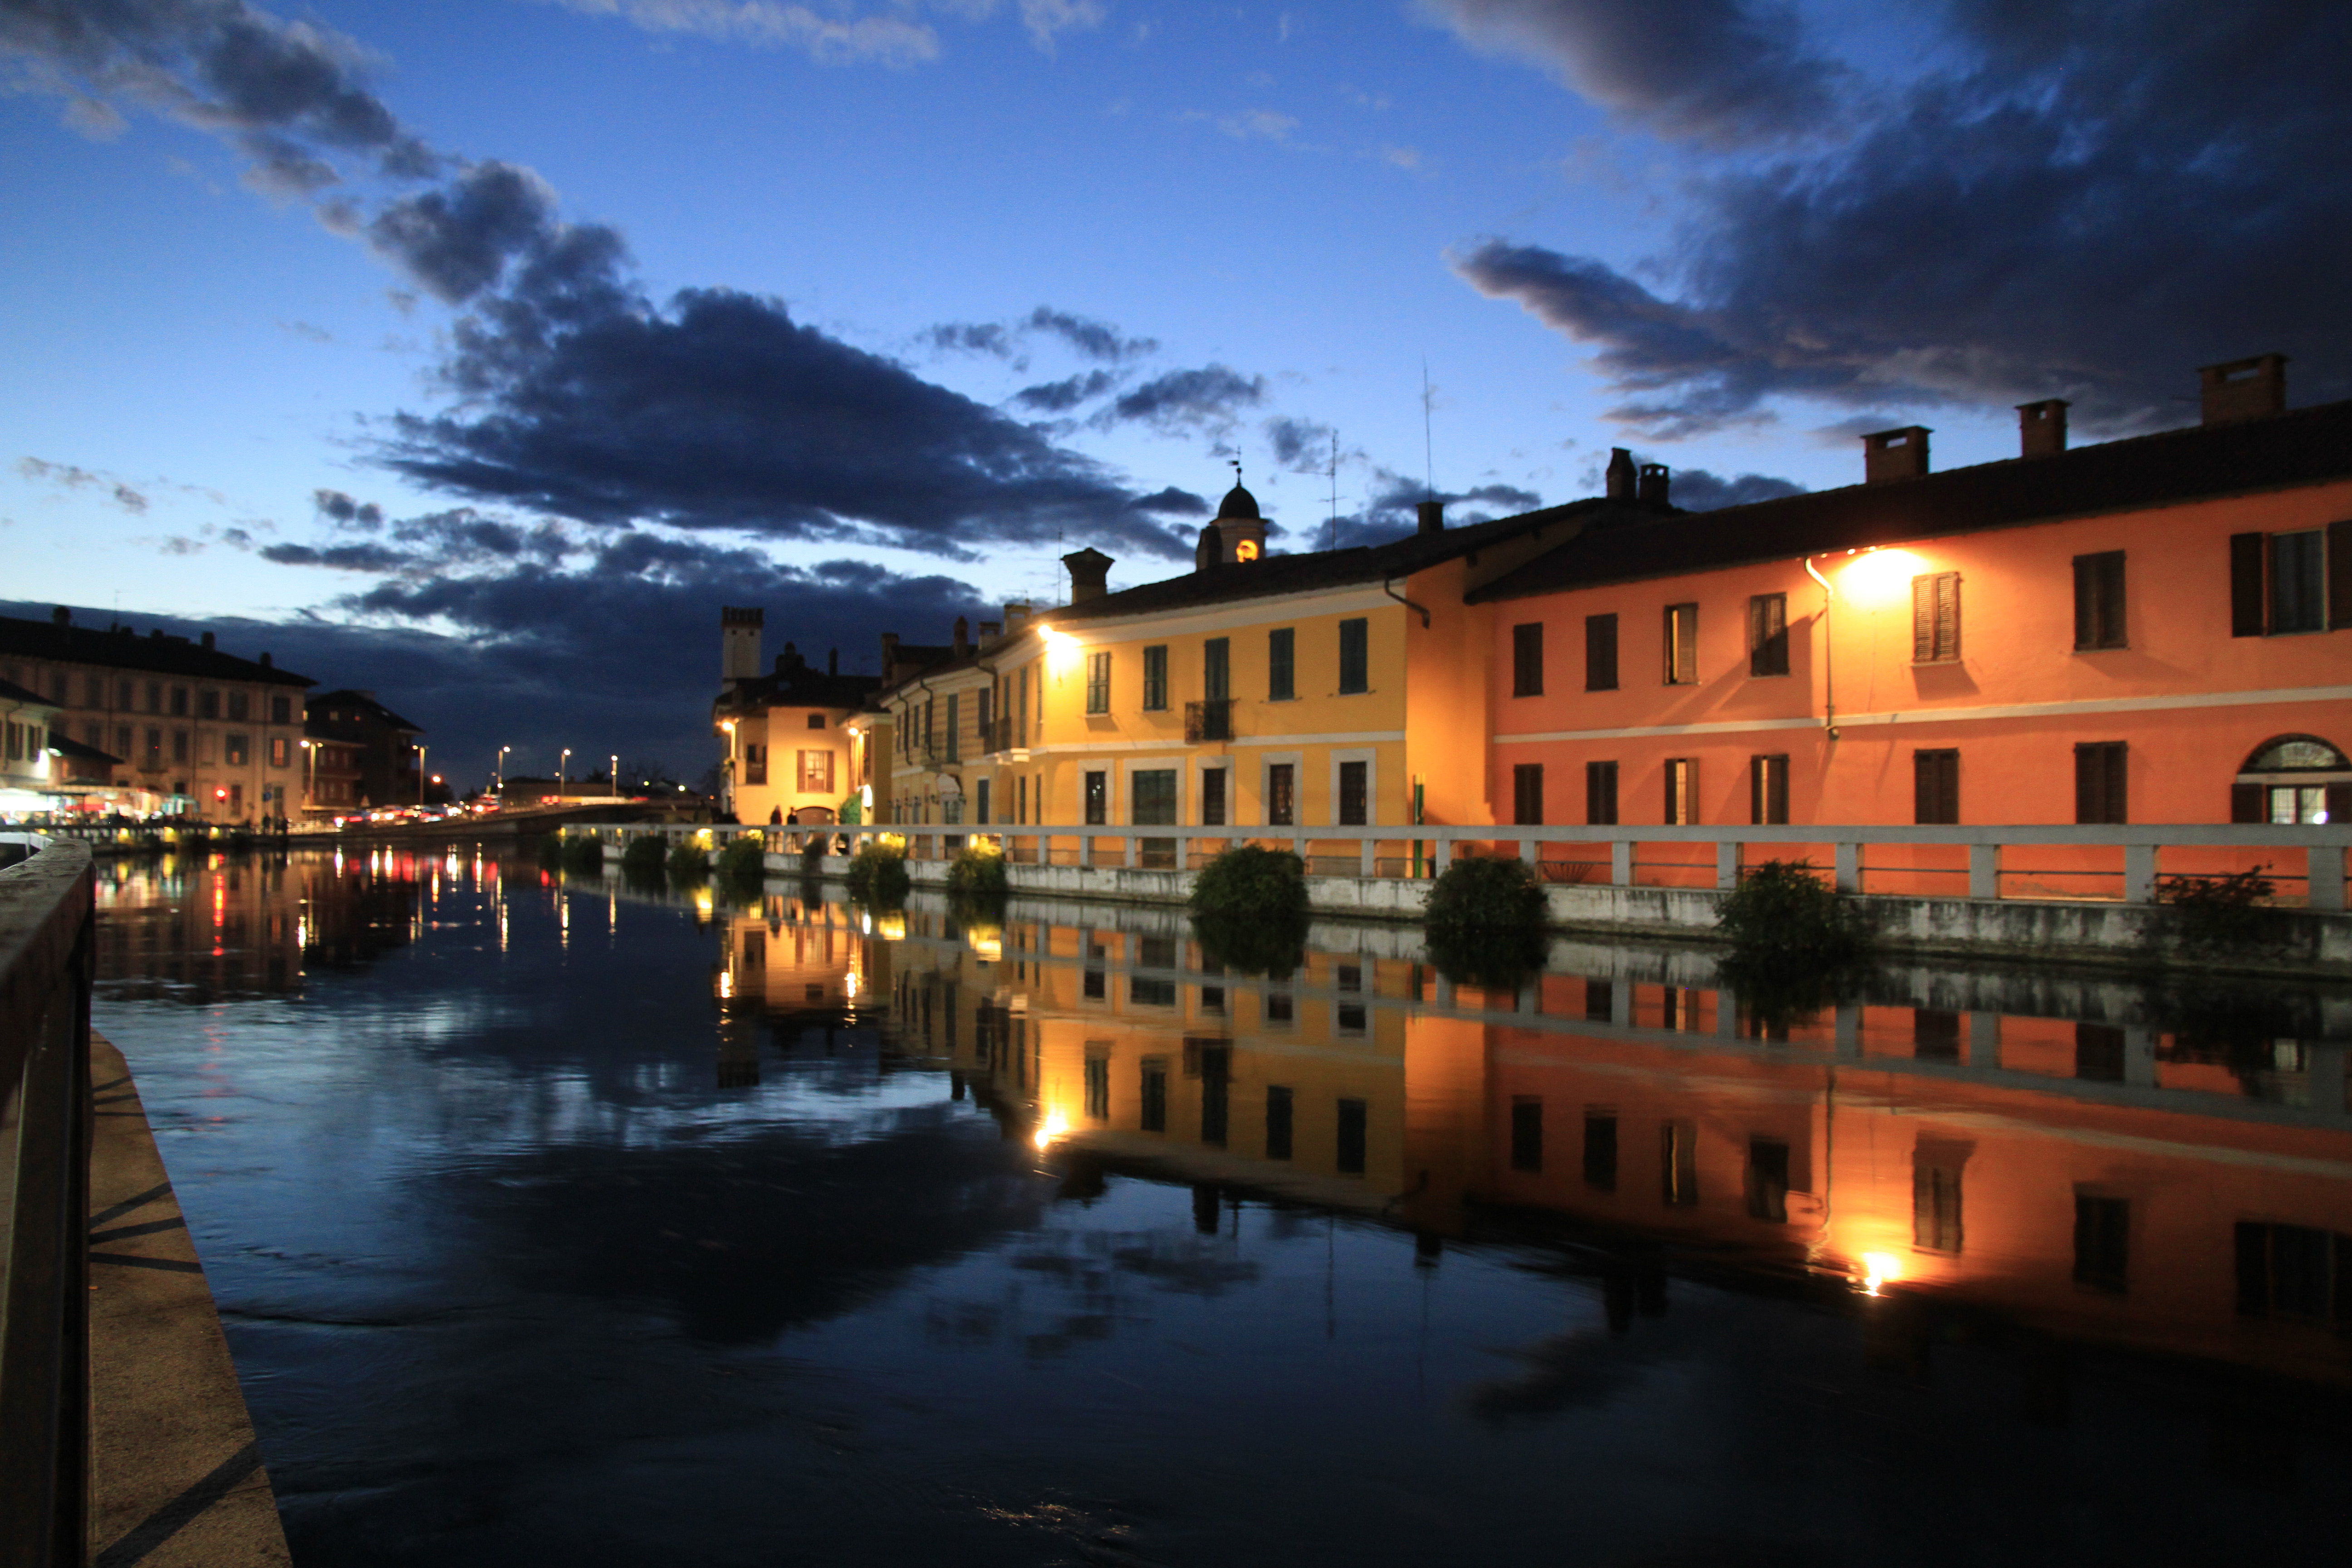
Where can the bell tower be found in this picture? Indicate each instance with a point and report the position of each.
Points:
(1240, 532)
(738, 644)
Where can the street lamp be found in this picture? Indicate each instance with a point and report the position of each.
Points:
(502, 771)
(616, 776)
(562, 764)
(310, 790)
(420, 750)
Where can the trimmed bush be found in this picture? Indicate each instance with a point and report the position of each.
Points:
(978, 872)
(1484, 894)
(1248, 883)
(689, 859)
(878, 874)
(744, 859)
(583, 854)
(2213, 917)
(1784, 914)
(642, 858)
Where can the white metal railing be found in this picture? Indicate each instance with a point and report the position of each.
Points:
(1427, 848)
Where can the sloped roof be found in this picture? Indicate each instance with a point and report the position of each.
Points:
(66, 643)
(2304, 446)
(12, 692)
(322, 702)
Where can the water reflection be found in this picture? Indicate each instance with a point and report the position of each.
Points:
(561, 1220)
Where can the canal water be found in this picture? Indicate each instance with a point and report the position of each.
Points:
(556, 1222)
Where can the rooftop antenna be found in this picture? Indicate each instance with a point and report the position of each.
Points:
(1332, 538)
(1428, 450)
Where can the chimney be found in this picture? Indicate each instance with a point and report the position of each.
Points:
(208, 642)
(2244, 389)
(833, 661)
(890, 659)
(1016, 618)
(963, 636)
(991, 631)
(2041, 427)
(1089, 573)
(1432, 516)
(1894, 455)
(61, 615)
(1209, 550)
(1652, 490)
(1621, 474)
(739, 643)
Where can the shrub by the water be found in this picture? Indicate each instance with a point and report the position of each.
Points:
(1248, 883)
(744, 859)
(2211, 917)
(583, 854)
(1485, 894)
(642, 856)
(689, 859)
(879, 873)
(979, 872)
(1782, 911)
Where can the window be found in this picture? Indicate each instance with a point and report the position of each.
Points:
(179, 702)
(180, 748)
(1097, 683)
(2099, 600)
(1021, 709)
(1767, 790)
(1526, 660)
(209, 703)
(93, 691)
(1678, 1163)
(1527, 794)
(1281, 665)
(2298, 590)
(1355, 656)
(1281, 794)
(1936, 617)
(1600, 793)
(816, 720)
(2322, 795)
(154, 697)
(1153, 790)
(1681, 645)
(1277, 1122)
(816, 769)
(1097, 799)
(1155, 680)
(1355, 780)
(2293, 1271)
(1601, 1151)
(2101, 781)
(1212, 797)
(2101, 1242)
(1217, 669)
(1682, 790)
(1155, 1094)
(1352, 1120)
(1098, 1080)
(1935, 1198)
(1768, 634)
(237, 749)
(1936, 786)
(1600, 653)
(955, 726)
(980, 794)
(1768, 1180)
(281, 710)
(1527, 1132)
(1021, 799)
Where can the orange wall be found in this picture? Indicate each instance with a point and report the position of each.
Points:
(2016, 650)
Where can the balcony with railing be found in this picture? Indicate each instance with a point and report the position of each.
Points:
(1212, 719)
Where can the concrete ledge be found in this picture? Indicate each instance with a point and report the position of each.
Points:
(177, 1478)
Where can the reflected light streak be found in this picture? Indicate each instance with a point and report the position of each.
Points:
(1879, 1268)
(1056, 1126)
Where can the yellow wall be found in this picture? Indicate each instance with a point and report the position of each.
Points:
(785, 732)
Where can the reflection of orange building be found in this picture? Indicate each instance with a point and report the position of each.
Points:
(2124, 632)
(2080, 1180)
(792, 967)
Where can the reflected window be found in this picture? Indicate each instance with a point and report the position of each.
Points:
(1936, 1200)
(2293, 1271)
(1599, 1001)
(1934, 1035)
(1155, 1094)
(1527, 1132)
(1768, 1180)
(2099, 1053)
(1601, 1151)
(2101, 1242)
(1217, 1079)
(1354, 1117)
(1278, 1121)
(1277, 1007)
(1098, 1082)
(1678, 1163)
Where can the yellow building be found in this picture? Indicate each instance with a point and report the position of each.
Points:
(1339, 688)
(790, 752)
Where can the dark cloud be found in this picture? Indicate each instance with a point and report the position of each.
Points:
(1061, 397)
(1209, 398)
(1695, 490)
(337, 506)
(1298, 443)
(2067, 211)
(458, 238)
(1393, 510)
(339, 557)
(971, 337)
(1726, 72)
(1091, 338)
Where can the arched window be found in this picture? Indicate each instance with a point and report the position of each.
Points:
(2294, 778)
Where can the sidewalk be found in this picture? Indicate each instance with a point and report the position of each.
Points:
(177, 1475)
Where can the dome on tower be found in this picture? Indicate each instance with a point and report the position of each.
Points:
(1238, 503)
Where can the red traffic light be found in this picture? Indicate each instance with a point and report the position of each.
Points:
(221, 793)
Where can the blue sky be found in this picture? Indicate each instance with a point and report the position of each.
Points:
(356, 329)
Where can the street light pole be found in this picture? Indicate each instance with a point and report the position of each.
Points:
(616, 776)
(562, 766)
(420, 773)
(310, 790)
(502, 774)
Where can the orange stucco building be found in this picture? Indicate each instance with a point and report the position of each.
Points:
(2141, 631)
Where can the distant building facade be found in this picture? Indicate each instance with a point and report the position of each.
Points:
(199, 731)
(366, 754)
(790, 753)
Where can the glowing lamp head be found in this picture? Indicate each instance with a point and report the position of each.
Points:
(1245, 551)
(1879, 1268)
(1056, 1126)
(1876, 578)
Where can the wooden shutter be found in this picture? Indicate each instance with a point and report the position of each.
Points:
(2339, 584)
(1757, 768)
(2339, 803)
(2246, 803)
(2088, 806)
(1526, 660)
(2246, 586)
(1600, 653)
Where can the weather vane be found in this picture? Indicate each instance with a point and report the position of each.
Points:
(1236, 462)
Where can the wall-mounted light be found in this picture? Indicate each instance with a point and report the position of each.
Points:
(1876, 578)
